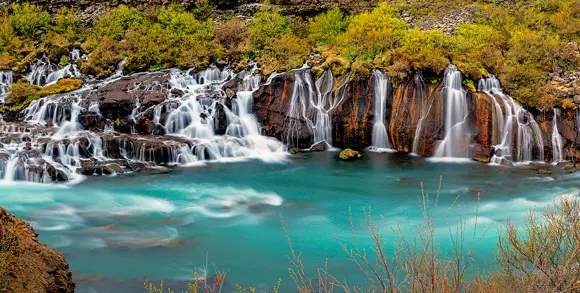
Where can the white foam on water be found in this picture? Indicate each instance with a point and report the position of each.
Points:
(381, 150)
(450, 160)
(135, 204)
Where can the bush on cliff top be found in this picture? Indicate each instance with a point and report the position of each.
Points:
(324, 28)
(521, 42)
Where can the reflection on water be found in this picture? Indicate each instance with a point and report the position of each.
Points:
(115, 232)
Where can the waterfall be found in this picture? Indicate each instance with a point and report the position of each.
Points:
(514, 129)
(425, 108)
(11, 168)
(199, 110)
(199, 120)
(557, 143)
(6, 79)
(41, 70)
(456, 142)
(75, 54)
(381, 84)
(314, 104)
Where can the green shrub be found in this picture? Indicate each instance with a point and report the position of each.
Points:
(177, 21)
(115, 22)
(103, 60)
(425, 49)
(266, 28)
(22, 92)
(6, 32)
(325, 27)
(27, 19)
(203, 10)
(232, 36)
(476, 49)
(68, 24)
(372, 33)
(287, 53)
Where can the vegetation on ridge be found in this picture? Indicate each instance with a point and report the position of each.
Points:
(521, 42)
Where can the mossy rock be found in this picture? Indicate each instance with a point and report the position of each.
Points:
(349, 155)
(294, 151)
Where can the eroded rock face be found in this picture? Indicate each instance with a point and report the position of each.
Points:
(568, 127)
(32, 267)
(353, 119)
(116, 102)
(416, 102)
(271, 106)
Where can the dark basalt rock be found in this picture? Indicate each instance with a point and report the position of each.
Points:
(319, 147)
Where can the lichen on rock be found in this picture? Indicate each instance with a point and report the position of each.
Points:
(348, 155)
(26, 265)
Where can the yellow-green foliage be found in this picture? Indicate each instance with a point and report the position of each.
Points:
(476, 49)
(27, 19)
(287, 52)
(22, 92)
(173, 38)
(6, 32)
(324, 28)
(266, 28)
(425, 49)
(370, 34)
(114, 23)
(521, 42)
(67, 23)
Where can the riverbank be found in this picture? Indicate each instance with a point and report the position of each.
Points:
(26, 265)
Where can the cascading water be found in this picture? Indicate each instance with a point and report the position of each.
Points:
(196, 115)
(6, 79)
(557, 143)
(314, 103)
(43, 72)
(457, 140)
(199, 125)
(424, 108)
(514, 129)
(381, 84)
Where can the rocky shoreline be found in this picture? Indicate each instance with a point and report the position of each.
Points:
(26, 265)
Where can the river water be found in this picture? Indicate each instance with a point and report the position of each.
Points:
(117, 231)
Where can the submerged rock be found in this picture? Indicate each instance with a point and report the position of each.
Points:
(319, 147)
(30, 265)
(294, 151)
(349, 154)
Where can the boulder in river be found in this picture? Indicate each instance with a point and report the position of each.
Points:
(319, 147)
(348, 155)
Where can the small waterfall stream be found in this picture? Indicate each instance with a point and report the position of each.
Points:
(456, 142)
(43, 72)
(6, 79)
(557, 142)
(381, 84)
(516, 135)
(314, 103)
(425, 108)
